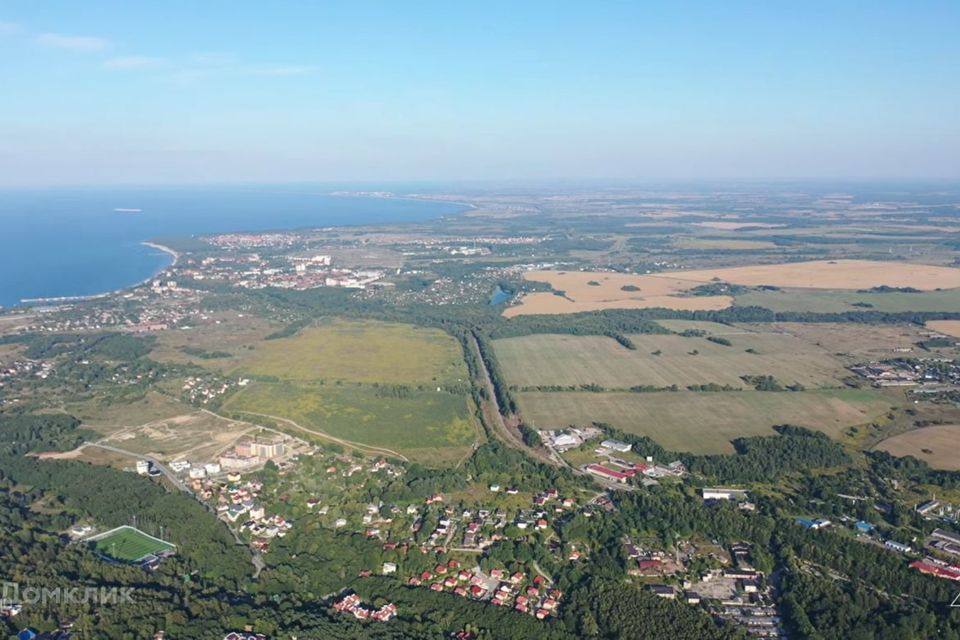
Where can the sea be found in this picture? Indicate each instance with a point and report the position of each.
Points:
(81, 242)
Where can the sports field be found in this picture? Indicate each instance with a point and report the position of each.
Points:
(938, 446)
(664, 360)
(128, 544)
(359, 351)
(705, 422)
(427, 426)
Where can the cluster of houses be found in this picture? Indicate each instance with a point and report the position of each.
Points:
(253, 271)
(522, 593)
(35, 368)
(352, 604)
(909, 373)
(202, 390)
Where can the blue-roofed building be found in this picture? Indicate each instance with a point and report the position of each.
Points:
(864, 527)
(806, 522)
(27, 634)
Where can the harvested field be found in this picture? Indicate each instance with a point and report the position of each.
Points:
(836, 301)
(591, 291)
(946, 327)
(360, 351)
(705, 422)
(832, 274)
(938, 446)
(664, 360)
(852, 343)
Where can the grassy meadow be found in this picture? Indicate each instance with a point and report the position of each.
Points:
(664, 360)
(360, 351)
(427, 426)
(706, 422)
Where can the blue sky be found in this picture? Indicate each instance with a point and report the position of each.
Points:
(99, 92)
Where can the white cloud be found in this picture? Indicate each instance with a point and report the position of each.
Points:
(85, 44)
(126, 63)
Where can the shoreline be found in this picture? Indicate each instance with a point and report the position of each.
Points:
(175, 255)
(28, 302)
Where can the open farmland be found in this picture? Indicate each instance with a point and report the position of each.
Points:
(360, 352)
(593, 290)
(838, 301)
(427, 426)
(664, 360)
(852, 343)
(705, 422)
(938, 446)
(820, 285)
(832, 274)
(946, 327)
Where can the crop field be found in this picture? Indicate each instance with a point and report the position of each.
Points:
(827, 301)
(820, 285)
(593, 290)
(128, 544)
(946, 327)
(705, 422)
(664, 360)
(938, 446)
(360, 351)
(427, 426)
(833, 274)
(852, 343)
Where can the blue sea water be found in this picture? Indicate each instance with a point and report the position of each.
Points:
(73, 242)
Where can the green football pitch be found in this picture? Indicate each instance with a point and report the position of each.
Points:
(128, 544)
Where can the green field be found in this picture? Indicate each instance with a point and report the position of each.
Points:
(823, 301)
(427, 426)
(706, 422)
(360, 351)
(127, 544)
(562, 360)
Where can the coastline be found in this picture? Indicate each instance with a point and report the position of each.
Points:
(165, 249)
(175, 255)
(26, 302)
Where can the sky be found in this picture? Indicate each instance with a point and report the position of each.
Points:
(100, 93)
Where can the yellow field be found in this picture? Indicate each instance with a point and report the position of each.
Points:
(832, 274)
(938, 446)
(946, 327)
(593, 291)
(360, 352)
(608, 293)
